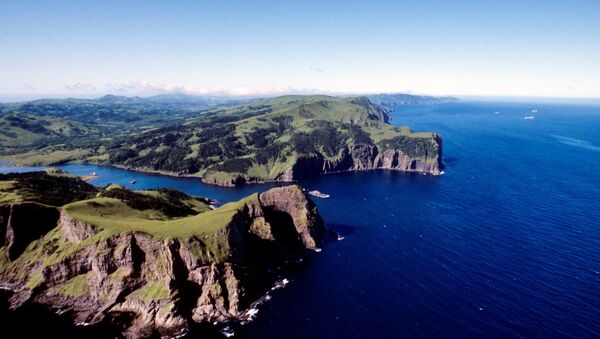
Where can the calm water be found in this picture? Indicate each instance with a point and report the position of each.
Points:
(506, 243)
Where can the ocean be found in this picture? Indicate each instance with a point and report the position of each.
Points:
(505, 244)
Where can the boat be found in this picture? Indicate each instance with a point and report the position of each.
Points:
(319, 194)
(133, 182)
(529, 117)
(535, 110)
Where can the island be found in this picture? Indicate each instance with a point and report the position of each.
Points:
(228, 143)
(153, 261)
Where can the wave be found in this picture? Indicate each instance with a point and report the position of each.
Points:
(576, 143)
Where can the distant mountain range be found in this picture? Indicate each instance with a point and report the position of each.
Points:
(400, 99)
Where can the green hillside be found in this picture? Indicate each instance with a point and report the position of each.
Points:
(263, 139)
(260, 140)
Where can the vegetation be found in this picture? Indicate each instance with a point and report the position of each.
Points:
(151, 292)
(168, 202)
(257, 140)
(52, 187)
(400, 99)
(115, 215)
(160, 213)
(63, 125)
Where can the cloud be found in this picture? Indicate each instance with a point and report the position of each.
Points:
(150, 88)
(80, 87)
(315, 69)
(30, 87)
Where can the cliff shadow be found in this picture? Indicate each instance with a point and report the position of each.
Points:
(28, 222)
(285, 233)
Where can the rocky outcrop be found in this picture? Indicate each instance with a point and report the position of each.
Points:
(155, 286)
(225, 179)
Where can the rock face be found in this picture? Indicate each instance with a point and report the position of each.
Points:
(226, 181)
(153, 286)
(364, 157)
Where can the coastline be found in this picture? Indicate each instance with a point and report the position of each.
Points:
(253, 181)
(246, 181)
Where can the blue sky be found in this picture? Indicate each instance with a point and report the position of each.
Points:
(505, 48)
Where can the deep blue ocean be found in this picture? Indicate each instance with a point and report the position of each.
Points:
(505, 243)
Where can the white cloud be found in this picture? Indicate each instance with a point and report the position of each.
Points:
(80, 87)
(30, 87)
(150, 88)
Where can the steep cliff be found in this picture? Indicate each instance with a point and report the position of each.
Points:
(362, 157)
(153, 279)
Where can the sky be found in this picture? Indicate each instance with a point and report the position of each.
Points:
(255, 48)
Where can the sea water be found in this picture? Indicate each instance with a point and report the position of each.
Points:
(505, 243)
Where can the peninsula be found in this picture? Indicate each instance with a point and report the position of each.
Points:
(231, 143)
(154, 261)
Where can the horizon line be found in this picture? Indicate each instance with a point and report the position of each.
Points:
(21, 98)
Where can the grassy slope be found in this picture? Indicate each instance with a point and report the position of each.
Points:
(52, 187)
(221, 143)
(113, 216)
(116, 216)
(302, 111)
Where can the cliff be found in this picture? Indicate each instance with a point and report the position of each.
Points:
(259, 141)
(364, 157)
(422, 155)
(152, 282)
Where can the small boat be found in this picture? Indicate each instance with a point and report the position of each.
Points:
(535, 110)
(529, 117)
(133, 182)
(319, 194)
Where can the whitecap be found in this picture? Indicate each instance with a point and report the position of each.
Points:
(252, 312)
(227, 332)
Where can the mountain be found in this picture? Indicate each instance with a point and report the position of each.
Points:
(275, 139)
(35, 129)
(153, 261)
(280, 139)
(187, 99)
(400, 99)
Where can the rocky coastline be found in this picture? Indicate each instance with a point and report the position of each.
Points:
(153, 286)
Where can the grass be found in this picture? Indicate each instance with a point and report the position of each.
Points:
(4, 262)
(51, 187)
(272, 169)
(194, 203)
(62, 249)
(48, 156)
(279, 118)
(115, 216)
(224, 177)
(76, 286)
(119, 273)
(36, 278)
(152, 291)
(8, 192)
